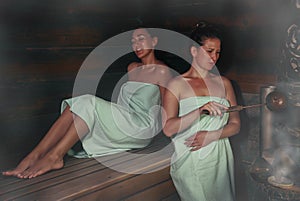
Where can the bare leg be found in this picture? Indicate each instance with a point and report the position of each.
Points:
(55, 134)
(54, 158)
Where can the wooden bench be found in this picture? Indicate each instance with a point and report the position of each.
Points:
(144, 175)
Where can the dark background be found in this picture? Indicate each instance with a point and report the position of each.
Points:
(44, 43)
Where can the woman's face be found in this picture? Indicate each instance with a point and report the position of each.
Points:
(142, 42)
(206, 56)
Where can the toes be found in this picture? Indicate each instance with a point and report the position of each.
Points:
(12, 172)
(33, 172)
(26, 174)
(38, 173)
(7, 173)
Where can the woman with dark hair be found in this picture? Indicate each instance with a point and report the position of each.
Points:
(104, 127)
(195, 105)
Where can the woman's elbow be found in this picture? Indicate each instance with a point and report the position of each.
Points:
(237, 127)
(168, 131)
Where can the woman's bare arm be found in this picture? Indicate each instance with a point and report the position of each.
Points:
(203, 138)
(174, 123)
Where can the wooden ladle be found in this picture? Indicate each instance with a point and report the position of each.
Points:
(275, 101)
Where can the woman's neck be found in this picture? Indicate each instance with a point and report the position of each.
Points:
(149, 60)
(198, 72)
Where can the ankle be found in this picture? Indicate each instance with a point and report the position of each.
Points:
(34, 155)
(54, 156)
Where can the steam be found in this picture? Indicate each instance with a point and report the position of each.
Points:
(286, 146)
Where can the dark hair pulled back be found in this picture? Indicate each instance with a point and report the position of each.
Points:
(204, 31)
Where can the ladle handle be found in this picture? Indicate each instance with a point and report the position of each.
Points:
(223, 111)
(236, 108)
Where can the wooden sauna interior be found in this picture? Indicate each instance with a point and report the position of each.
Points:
(44, 43)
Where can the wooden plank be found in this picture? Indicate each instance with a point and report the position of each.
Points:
(92, 178)
(44, 186)
(131, 186)
(28, 98)
(251, 83)
(27, 103)
(42, 63)
(5, 181)
(81, 167)
(74, 163)
(71, 164)
(154, 193)
(172, 197)
(43, 180)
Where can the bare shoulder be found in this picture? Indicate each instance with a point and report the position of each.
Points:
(229, 90)
(133, 65)
(162, 68)
(176, 82)
(226, 81)
(174, 86)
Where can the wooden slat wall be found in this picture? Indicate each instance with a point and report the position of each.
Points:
(43, 44)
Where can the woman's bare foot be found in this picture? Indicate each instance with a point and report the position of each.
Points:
(45, 164)
(26, 163)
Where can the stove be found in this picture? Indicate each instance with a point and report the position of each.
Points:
(277, 168)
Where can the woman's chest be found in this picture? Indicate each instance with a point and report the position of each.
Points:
(203, 88)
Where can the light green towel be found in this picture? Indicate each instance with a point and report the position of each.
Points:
(206, 174)
(130, 123)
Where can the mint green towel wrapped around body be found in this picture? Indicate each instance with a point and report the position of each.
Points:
(206, 174)
(130, 123)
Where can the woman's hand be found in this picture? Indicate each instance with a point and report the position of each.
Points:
(213, 108)
(200, 139)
